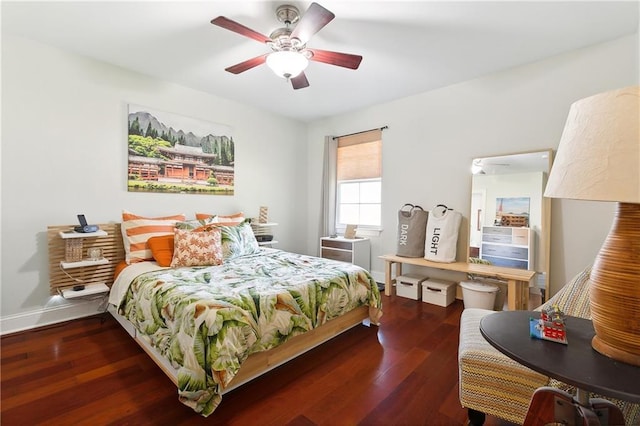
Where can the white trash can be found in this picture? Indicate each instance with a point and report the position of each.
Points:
(478, 295)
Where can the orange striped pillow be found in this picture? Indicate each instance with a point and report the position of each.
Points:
(228, 220)
(136, 231)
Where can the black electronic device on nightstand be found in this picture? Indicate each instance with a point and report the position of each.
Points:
(84, 227)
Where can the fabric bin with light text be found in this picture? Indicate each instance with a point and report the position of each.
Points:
(409, 286)
(438, 292)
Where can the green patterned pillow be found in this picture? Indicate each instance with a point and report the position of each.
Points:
(479, 261)
(238, 240)
(194, 224)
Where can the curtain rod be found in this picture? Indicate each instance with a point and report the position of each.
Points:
(364, 131)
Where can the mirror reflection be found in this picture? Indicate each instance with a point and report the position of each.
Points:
(509, 218)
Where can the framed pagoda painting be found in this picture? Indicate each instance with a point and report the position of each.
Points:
(513, 211)
(171, 153)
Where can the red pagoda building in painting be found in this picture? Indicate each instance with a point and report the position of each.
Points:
(185, 164)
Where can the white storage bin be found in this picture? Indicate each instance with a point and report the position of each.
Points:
(478, 295)
(409, 286)
(438, 292)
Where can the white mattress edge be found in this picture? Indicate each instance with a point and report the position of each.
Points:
(126, 277)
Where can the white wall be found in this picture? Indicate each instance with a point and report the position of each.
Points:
(433, 137)
(64, 152)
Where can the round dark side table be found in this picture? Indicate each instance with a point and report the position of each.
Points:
(575, 363)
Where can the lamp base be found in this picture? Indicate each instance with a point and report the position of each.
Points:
(614, 353)
(614, 293)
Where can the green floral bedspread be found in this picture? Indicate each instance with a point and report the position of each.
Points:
(207, 320)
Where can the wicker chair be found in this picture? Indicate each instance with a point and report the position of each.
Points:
(492, 383)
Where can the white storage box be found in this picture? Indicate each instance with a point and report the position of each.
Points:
(479, 295)
(409, 286)
(438, 292)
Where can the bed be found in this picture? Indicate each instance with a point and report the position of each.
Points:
(212, 328)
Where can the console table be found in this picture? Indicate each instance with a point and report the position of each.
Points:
(518, 280)
(576, 364)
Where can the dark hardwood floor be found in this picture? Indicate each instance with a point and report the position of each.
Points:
(89, 371)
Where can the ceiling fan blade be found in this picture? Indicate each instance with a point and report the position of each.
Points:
(300, 81)
(346, 60)
(230, 25)
(248, 64)
(313, 20)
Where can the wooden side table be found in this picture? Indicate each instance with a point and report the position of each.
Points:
(518, 280)
(576, 364)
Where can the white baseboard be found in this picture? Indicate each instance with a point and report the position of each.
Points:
(378, 276)
(49, 315)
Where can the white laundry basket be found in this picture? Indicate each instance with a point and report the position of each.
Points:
(478, 295)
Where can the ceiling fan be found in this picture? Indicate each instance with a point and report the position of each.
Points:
(290, 54)
(478, 166)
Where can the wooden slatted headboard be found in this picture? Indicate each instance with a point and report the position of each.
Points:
(112, 249)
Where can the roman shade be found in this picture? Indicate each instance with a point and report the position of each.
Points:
(360, 156)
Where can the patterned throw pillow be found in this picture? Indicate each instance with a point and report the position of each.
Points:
(197, 248)
(136, 231)
(238, 240)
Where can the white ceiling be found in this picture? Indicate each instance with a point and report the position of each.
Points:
(536, 161)
(408, 47)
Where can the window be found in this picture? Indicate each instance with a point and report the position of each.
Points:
(359, 202)
(359, 180)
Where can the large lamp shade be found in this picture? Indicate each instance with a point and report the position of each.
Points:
(599, 159)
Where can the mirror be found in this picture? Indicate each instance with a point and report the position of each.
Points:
(509, 224)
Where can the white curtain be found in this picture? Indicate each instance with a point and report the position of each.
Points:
(328, 193)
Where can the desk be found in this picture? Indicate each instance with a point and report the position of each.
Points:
(518, 280)
(576, 363)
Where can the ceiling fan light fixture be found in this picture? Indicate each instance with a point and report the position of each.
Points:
(287, 64)
(476, 167)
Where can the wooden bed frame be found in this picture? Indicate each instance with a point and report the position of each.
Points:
(260, 362)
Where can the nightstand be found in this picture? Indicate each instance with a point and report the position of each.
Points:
(74, 259)
(352, 250)
(71, 264)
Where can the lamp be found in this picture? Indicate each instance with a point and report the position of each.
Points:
(287, 63)
(599, 159)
